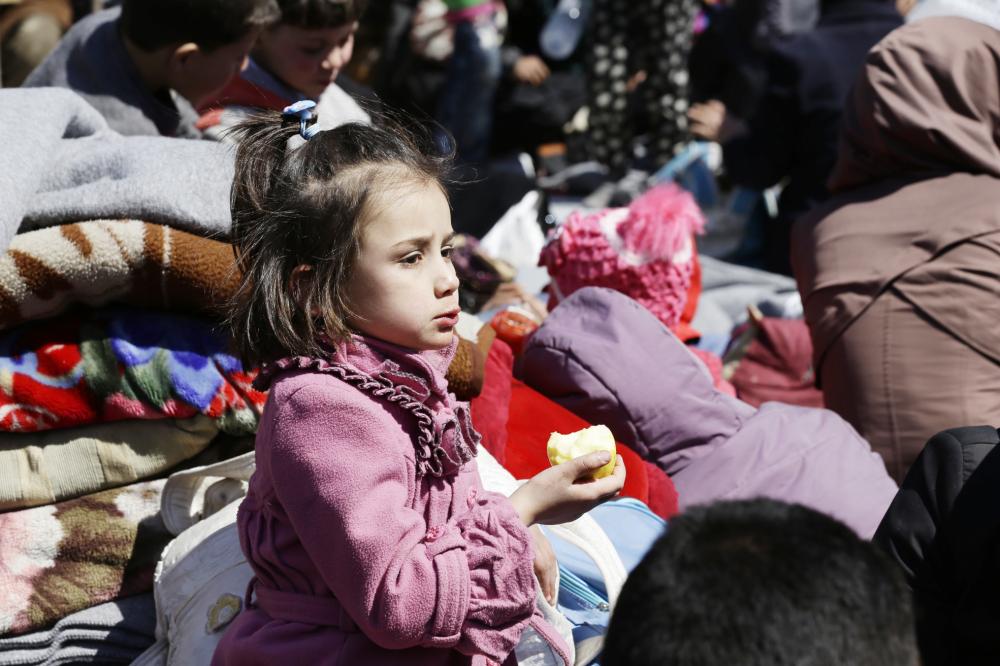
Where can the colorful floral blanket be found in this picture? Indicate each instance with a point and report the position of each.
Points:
(110, 365)
(62, 558)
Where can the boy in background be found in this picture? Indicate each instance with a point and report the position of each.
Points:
(146, 65)
(297, 58)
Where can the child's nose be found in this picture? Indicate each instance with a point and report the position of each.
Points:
(447, 282)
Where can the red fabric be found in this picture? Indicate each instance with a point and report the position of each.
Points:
(209, 119)
(777, 366)
(683, 329)
(663, 497)
(239, 92)
(515, 422)
(491, 407)
(513, 328)
(533, 417)
(714, 365)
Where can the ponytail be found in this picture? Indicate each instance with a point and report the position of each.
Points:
(260, 157)
(262, 141)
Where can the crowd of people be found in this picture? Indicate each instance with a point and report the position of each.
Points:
(294, 292)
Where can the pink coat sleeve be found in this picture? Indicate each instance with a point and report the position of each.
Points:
(340, 471)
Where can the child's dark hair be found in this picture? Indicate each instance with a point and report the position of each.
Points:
(153, 24)
(305, 205)
(321, 13)
(762, 583)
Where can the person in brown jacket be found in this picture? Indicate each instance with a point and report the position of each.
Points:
(900, 271)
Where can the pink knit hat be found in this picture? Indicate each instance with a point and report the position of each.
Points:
(645, 251)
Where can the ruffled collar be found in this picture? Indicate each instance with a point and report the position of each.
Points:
(412, 380)
(372, 356)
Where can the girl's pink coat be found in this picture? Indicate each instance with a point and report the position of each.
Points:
(430, 570)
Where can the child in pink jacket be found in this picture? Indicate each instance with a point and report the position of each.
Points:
(366, 524)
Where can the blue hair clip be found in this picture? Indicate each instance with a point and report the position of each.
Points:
(302, 111)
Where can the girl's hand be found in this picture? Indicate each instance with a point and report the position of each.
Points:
(565, 492)
(546, 566)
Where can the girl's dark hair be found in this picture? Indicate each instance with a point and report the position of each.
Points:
(321, 13)
(304, 205)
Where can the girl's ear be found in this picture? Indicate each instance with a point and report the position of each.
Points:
(299, 283)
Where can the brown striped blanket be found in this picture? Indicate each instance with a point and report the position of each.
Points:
(100, 262)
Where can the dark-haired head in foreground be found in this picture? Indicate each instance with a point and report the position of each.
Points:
(761, 583)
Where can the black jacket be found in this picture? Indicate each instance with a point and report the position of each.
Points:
(793, 132)
(943, 528)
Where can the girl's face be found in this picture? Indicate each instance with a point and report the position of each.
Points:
(404, 288)
(305, 59)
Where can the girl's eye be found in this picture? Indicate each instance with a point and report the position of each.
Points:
(412, 259)
(447, 251)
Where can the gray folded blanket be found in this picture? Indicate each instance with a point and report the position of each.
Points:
(62, 163)
(112, 633)
(728, 289)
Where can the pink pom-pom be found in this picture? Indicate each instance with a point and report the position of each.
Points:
(661, 222)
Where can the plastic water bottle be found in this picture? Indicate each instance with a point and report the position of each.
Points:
(565, 27)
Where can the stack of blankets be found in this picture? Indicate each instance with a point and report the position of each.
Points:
(114, 372)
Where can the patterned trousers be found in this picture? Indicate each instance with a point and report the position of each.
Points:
(627, 35)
